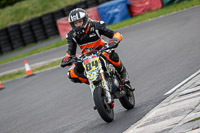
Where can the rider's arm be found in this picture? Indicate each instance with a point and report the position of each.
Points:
(71, 44)
(104, 30)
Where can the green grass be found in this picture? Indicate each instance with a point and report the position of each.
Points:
(13, 75)
(195, 128)
(29, 45)
(21, 73)
(159, 12)
(133, 20)
(50, 65)
(195, 119)
(34, 51)
(28, 9)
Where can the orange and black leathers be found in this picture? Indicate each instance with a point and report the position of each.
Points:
(91, 38)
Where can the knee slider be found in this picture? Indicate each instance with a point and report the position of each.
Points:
(75, 80)
(69, 74)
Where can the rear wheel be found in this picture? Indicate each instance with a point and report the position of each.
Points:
(104, 109)
(128, 101)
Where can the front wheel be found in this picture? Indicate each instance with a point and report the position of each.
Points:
(104, 109)
(128, 101)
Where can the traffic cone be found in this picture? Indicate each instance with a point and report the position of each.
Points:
(28, 69)
(1, 86)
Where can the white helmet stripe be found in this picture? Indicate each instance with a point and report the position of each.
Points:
(82, 14)
(77, 16)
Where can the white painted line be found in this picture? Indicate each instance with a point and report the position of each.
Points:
(182, 83)
(39, 64)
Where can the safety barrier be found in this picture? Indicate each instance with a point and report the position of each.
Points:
(114, 11)
(141, 6)
(168, 2)
(38, 28)
(64, 27)
(54, 23)
(27, 32)
(5, 41)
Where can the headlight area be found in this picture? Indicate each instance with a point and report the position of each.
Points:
(98, 80)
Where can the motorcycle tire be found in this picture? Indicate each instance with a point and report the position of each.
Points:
(103, 108)
(128, 101)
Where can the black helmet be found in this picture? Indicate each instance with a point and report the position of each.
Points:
(76, 15)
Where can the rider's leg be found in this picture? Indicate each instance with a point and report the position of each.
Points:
(119, 66)
(114, 59)
(76, 74)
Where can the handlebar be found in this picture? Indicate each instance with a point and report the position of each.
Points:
(75, 59)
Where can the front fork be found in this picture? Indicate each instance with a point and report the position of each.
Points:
(105, 87)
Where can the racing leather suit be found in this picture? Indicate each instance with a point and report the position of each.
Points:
(91, 38)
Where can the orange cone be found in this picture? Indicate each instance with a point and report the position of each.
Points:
(1, 86)
(28, 69)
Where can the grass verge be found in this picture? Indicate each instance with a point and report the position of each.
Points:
(22, 73)
(133, 20)
(34, 51)
(28, 9)
(159, 12)
(195, 119)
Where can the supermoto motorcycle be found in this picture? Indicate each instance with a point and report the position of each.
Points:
(104, 82)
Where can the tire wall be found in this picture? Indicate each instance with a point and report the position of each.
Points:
(55, 23)
(38, 28)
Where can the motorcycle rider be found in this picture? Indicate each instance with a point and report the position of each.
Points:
(86, 33)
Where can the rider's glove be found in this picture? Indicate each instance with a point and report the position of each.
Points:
(65, 61)
(66, 58)
(113, 42)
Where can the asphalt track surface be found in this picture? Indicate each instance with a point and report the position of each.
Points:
(158, 54)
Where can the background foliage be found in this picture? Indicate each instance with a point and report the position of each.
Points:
(28, 9)
(4, 3)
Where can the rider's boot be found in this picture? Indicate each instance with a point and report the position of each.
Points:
(124, 76)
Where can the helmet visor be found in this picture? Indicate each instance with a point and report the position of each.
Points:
(78, 23)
